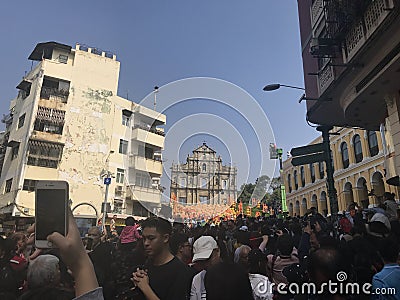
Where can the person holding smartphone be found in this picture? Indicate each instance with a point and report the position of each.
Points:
(75, 257)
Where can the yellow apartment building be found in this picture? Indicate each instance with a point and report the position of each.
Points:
(361, 159)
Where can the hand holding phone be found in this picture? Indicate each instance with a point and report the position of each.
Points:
(51, 207)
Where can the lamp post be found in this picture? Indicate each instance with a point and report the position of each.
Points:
(107, 181)
(275, 86)
(324, 129)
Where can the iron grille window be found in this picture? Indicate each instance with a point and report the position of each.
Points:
(49, 120)
(29, 185)
(8, 185)
(63, 58)
(44, 154)
(143, 179)
(125, 120)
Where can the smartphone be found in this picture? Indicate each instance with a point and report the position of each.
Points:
(51, 210)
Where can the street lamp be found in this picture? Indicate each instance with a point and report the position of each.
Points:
(308, 154)
(275, 86)
(107, 181)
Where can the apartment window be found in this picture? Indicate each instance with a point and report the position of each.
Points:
(123, 146)
(63, 58)
(8, 185)
(21, 121)
(312, 172)
(143, 179)
(204, 199)
(29, 185)
(44, 154)
(14, 151)
(321, 170)
(204, 167)
(204, 183)
(120, 175)
(183, 182)
(345, 155)
(118, 206)
(289, 179)
(357, 148)
(296, 183)
(302, 176)
(372, 143)
(125, 120)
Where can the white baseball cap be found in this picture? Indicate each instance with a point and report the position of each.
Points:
(203, 247)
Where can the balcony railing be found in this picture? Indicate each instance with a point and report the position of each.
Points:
(374, 15)
(325, 78)
(151, 129)
(316, 10)
(48, 92)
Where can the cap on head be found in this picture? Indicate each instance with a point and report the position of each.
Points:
(203, 247)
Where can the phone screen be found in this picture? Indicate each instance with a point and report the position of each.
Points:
(50, 212)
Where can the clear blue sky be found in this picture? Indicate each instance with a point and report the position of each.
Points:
(247, 43)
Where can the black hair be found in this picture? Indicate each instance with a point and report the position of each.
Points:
(389, 250)
(285, 244)
(177, 239)
(227, 281)
(130, 221)
(161, 225)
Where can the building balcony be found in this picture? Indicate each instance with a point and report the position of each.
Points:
(49, 93)
(144, 135)
(316, 11)
(47, 136)
(373, 17)
(143, 194)
(145, 164)
(325, 78)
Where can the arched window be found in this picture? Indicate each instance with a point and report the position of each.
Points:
(372, 143)
(321, 170)
(345, 155)
(296, 183)
(312, 172)
(204, 168)
(302, 176)
(357, 148)
(289, 180)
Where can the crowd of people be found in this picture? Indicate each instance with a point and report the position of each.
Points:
(242, 258)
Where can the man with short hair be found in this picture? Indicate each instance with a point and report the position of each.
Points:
(164, 276)
(205, 252)
(180, 247)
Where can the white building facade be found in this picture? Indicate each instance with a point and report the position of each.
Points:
(67, 123)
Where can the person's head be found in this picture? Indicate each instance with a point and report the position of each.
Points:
(285, 244)
(227, 281)
(20, 240)
(389, 250)
(241, 256)
(205, 250)
(115, 217)
(388, 196)
(180, 246)
(156, 233)
(94, 234)
(324, 264)
(43, 271)
(130, 221)
(257, 262)
(352, 210)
